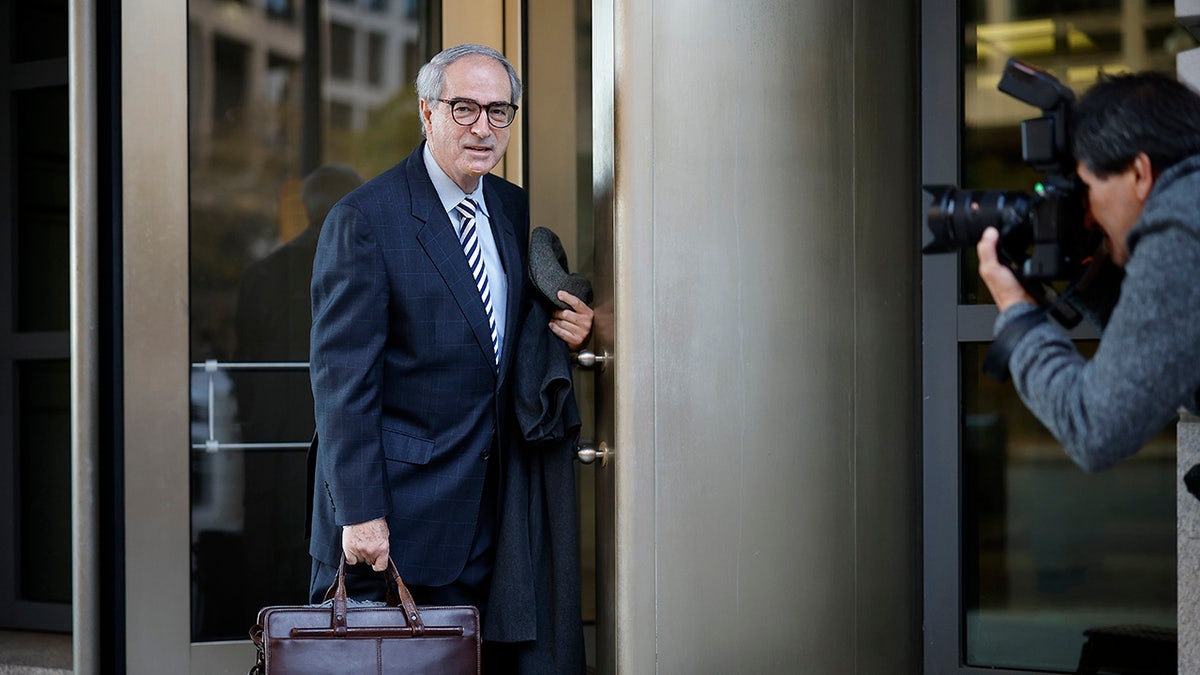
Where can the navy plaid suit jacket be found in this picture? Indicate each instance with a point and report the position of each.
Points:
(407, 398)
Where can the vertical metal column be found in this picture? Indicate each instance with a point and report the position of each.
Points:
(85, 553)
(154, 270)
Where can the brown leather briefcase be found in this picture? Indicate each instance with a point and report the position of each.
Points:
(398, 637)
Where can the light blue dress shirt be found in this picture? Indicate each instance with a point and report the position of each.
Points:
(451, 196)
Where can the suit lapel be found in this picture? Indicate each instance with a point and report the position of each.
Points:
(436, 235)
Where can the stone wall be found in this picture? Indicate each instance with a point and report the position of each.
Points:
(1188, 563)
(1187, 65)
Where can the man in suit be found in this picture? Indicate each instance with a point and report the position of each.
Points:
(409, 377)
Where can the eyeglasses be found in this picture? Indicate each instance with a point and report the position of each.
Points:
(465, 112)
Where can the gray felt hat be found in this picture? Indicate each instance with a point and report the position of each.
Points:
(548, 269)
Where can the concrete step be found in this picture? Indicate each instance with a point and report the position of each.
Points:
(28, 653)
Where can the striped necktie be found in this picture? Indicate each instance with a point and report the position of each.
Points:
(470, 243)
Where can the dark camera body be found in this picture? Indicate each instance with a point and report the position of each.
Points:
(1043, 236)
(1043, 232)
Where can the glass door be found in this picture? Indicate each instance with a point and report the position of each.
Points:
(35, 359)
(1046, 557)
(291, 105)
(558, 175)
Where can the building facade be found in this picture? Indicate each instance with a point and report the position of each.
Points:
(800, 467)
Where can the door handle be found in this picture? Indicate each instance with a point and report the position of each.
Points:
(591, 360)
(589, 453)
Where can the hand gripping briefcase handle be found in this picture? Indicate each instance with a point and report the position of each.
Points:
(398, 637)
(398, 596)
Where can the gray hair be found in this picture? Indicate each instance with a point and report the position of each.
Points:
(432, 76)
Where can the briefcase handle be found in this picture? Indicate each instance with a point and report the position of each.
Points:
(396, 597)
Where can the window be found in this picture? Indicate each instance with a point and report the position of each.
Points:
(35, 404)
(259, 129)
(341, 51)
(1042, 551)
(280, 9)
(376, 57)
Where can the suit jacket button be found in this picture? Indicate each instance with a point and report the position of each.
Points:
(485, 455)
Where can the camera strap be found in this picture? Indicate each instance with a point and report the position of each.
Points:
(995, 362)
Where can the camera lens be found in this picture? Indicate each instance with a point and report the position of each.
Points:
(957, 218)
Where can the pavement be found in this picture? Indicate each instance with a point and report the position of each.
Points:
(26, 653)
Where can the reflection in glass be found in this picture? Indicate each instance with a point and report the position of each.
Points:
(40, 209)
(280, 9)
(1048, 550)
(273, 146)
(41, 35)
(44, 486)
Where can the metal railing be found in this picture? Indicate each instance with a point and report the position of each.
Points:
(212, 366)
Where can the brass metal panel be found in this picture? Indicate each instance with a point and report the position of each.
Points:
(550, 113)
(496, 24)
(475, 21)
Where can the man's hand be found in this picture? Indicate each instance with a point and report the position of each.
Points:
(367, 543)
(1000, 280)
(572, 326)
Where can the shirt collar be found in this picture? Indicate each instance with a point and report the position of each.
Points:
(448, 191)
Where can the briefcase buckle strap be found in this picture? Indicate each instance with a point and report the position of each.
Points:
(377, 632)
(260, 665)
(398, 595)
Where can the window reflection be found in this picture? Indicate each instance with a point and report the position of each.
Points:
(35, 349)
(41, 36)
(277, 134)
(280, 9)
(39, 211)
(43, 450)
(1049, 551)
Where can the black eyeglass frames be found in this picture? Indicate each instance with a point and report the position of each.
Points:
(464, 111)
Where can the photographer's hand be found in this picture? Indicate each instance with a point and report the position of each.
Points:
(1000, 280)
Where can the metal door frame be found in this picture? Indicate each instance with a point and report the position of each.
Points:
(154, 157)
(623, 187)
(946, 326)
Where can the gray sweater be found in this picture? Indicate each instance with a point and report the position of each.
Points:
(1148, 363)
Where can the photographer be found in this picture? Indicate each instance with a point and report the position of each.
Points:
(1137, 144)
